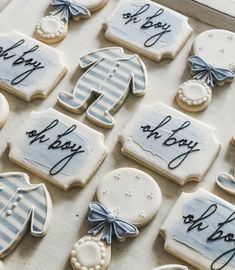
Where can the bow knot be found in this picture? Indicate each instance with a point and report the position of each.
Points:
(108, 225)
(68, 9)
(203, 70)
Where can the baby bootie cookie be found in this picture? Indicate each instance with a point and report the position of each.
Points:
(213, 62)
(54, 28)
(127, 199)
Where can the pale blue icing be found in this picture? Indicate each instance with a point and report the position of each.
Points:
(197, 240)
(133, 34)
(8, 71)
(155, 147)
(226, 182)
(38, 154)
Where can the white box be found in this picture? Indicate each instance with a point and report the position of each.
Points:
(219, 13)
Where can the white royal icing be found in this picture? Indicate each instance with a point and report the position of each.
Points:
(90, 253)
(200, 230)
(171, 267)
(62, 150)
(24, 61)
(170, 142)
(216, 47)
(4, 110)
(148, 28)
(194, 92)
(130, 194)
(92, 5)
(51, 27)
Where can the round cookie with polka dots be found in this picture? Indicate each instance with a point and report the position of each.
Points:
(130, 194)
(216, 47)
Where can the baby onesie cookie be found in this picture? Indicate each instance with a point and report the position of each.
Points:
(54, 28)
(211, 63)
(4, 110)
(111, 76)
(24, 61)
(170, 142)
(23, 205)
(171, 267)
(148, 28)
(127, 198)
(58, 148)
(200, 230)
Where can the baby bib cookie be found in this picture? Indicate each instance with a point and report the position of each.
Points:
(54, 28)
(23, 206)
(110, 78)
(171, 267)
(200, 230)
(24, 61)
(130, 194)
(58, 148)
(4, 110)
(170, 142)
(216, 47)
(148, 28)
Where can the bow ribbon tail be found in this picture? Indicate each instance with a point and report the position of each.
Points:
(63, 10)
(107, 233)
(97, 229)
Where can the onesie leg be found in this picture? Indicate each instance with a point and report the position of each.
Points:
(77, 101)
(99, 111)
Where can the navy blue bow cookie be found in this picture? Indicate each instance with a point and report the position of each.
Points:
(109, 225)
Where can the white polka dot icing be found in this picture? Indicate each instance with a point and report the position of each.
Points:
(194, 92)
(90, 253)
(131, 195)
(216, 47)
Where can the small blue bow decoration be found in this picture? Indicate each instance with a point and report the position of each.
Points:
(68, 9)
(202, 70)
(108, 225)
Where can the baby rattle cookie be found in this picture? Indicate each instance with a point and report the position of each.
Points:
(4, 110)
(127, 199)
(171, 267)
(213, 62)
(54, 28)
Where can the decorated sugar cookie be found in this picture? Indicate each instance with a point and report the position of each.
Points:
(4, 110)
(24, 61)
(127, 199)
(58, 148)
(224, 180)
(148, 28)
(23, 206)
(171, 267)
(111, 76)
(213, 62)
(54, 28)
(200, 230)
(170, 142)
